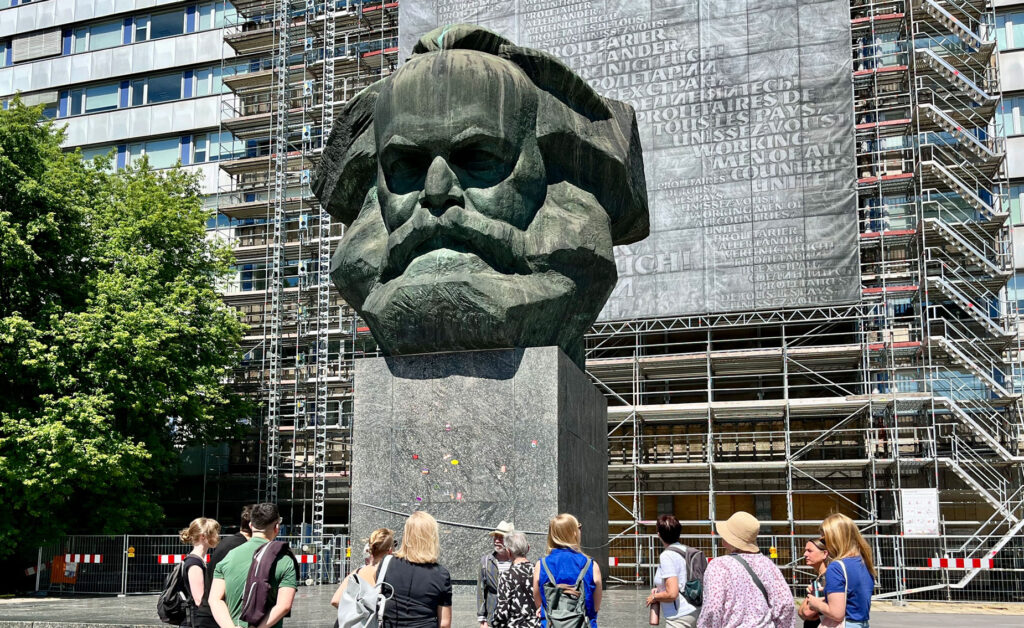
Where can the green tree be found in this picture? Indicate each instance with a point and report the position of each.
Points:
(115, 347)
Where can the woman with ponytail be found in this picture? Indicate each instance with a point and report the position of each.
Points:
(202, 534)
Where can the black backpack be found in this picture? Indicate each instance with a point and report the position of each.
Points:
(696, 564)
(173, 604)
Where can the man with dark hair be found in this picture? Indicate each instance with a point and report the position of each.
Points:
(230, 574)
(204, 617)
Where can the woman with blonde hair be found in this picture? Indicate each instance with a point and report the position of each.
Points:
(381, 543)
(418, 588)
(849, 579)
(202, 534)
(566, 566)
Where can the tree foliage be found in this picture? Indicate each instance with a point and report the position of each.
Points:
(114, 345)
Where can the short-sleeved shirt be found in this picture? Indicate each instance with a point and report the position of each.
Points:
(234, 570)
(671, 564)
(858, 590)
(418, 591)
(565, 565)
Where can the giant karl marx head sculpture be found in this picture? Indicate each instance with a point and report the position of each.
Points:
(483, 186)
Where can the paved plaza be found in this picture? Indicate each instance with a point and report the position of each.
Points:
(622, 609)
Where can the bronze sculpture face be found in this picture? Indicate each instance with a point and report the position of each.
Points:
(472, 233)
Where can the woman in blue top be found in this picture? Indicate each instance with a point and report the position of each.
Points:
(850, 577)
(565, 561)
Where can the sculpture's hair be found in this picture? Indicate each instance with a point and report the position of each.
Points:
(199, 527)
(587, 140)
(421, 541)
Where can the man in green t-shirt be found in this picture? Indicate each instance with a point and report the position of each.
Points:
(230, 574)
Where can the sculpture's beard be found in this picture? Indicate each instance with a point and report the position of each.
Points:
(465, 281)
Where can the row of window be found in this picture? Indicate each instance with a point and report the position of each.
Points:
(143, 91)
(1010, 30)
(121, 31)
(166, 152)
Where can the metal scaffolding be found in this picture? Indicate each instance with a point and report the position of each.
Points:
(792, 414)
(789, 414)
(295, 62)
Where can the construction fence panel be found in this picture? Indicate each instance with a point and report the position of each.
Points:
(83, 564)
(148, 560)
(139, 564)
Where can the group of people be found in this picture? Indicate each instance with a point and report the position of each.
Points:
(214, 589)
(742, 589)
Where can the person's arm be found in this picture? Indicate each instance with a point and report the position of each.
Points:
(336, 598)
(218, 607)
(598, 591)
(285, 597)
(196, 584)
(499, 618)
(481, 594)
(783, 605)
(536, 587)
(715, 584)
(833, 606)
(444, 616)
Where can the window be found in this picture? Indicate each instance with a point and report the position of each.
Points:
(1016, 194)
(4, 46)
(1009, 115)
(97, 36)
(101, 98)
(1010, 31)
(77, 100)
(163, 88)
(166, 24)
(222, 146)
(162, 153)
(199, 143)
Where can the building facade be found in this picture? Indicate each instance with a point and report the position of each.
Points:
(902, 407)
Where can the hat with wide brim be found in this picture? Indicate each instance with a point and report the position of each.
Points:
(740, 531)
(503, 528)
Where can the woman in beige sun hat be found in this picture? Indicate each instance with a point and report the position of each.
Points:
(744, 588)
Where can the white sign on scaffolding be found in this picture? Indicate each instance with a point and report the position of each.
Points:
(920, 511)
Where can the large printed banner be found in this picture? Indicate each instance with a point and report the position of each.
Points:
(746, 117)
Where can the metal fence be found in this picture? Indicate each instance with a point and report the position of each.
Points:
(133, 564)
(130, 564)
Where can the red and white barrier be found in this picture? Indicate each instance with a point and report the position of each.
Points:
(960, 563)
(613, 561)
(307, 559)
(83, 558)
(31, 571)
(173, 559)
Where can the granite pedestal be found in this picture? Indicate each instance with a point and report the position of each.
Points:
(478, 437)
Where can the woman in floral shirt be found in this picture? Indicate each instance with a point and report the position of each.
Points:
(732, 597)
(515, 607)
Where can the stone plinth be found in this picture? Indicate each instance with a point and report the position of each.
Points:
(477, 437)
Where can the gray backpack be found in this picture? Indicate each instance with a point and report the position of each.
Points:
(362, 605)
(565, 606)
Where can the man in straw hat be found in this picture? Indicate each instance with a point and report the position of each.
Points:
(492, 565)
(744, 588)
